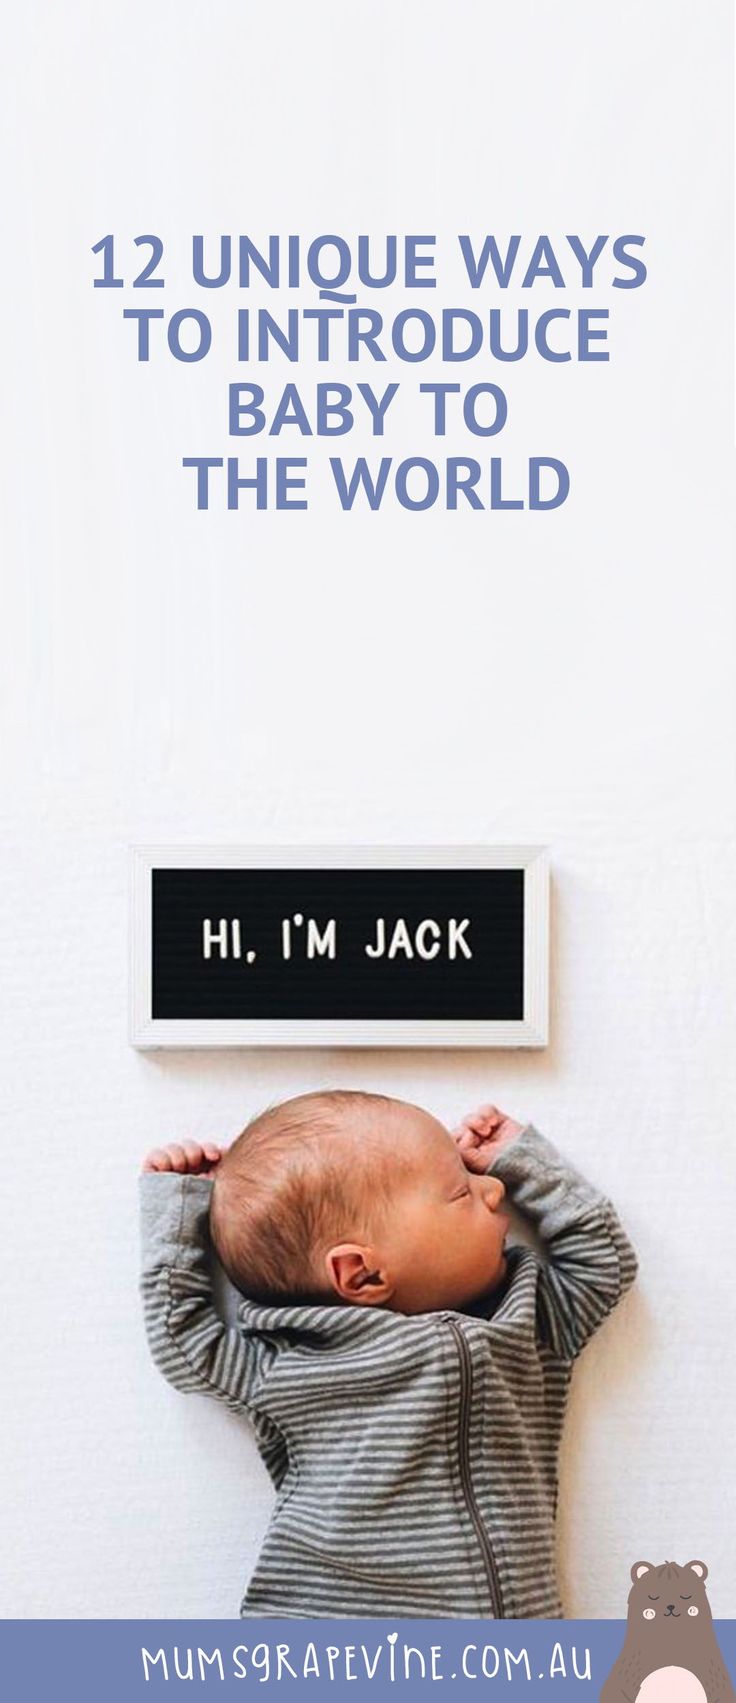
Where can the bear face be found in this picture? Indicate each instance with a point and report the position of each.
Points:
(667, 1598)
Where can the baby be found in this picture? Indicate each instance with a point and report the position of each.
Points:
(406, 1372)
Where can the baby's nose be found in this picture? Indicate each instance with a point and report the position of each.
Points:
(494, 1193)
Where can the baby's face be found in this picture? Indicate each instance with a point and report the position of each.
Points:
(442, 1240)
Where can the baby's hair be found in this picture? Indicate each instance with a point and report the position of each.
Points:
(301, 1177)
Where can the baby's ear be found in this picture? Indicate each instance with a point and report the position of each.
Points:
(639, 1569)
(353, 1275)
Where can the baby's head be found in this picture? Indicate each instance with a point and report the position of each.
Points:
(356, 1199)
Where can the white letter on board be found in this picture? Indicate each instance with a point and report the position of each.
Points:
(456, 937)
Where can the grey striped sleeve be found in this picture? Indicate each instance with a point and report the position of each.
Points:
(588, 1262)
(190, 1343)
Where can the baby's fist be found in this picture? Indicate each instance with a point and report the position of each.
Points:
(481, 1134)
(189, 1158)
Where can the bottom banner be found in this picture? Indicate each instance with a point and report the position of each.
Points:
(130, 1659)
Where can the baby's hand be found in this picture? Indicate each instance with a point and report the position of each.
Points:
(190, 1158)
(481, 1134)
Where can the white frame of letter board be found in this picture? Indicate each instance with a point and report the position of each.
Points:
(529, 1031)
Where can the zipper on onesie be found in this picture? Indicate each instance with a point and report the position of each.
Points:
(466, 1395)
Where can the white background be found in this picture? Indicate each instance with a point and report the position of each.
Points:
(395, 678)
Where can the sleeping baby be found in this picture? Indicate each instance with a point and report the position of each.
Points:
(405, 1368)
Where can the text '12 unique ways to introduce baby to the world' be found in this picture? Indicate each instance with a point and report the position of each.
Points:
(329, 338)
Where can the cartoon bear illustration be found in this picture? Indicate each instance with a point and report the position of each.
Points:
(670, 1654)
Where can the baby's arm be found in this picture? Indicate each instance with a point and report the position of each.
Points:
(589, 1262)
(190, 1343)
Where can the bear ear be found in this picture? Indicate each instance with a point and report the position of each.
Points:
(698, 1567)
(640, 1568)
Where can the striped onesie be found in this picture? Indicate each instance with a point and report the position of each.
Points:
(414, 1457)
